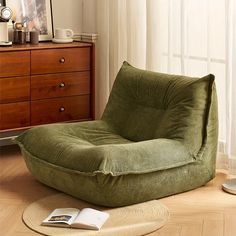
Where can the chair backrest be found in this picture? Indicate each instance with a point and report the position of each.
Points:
(146, 105)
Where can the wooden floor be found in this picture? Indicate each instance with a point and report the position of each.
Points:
(205, 211)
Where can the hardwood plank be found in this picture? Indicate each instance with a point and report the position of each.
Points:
(171, 230)
(18, 189)
(213, 227)
(192, 229)
(230, 223)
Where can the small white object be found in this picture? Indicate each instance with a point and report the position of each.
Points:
(3, 31)
(77, 37)
(5, 43)
(56, 40)
(90, 35)
(230, 186)
(63, 33)
(6, 13)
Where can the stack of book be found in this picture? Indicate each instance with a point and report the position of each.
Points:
(86, 37)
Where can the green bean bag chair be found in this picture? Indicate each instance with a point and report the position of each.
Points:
(157, 137)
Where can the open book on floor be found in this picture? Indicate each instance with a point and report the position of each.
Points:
(86, 218)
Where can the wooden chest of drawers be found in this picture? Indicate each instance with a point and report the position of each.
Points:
(46, 83)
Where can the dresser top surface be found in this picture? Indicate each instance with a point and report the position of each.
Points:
(44, 45)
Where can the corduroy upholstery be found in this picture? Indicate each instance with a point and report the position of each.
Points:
(157, 137)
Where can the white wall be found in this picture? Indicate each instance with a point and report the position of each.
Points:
(78, 15)
(89, 16)
(68, 14)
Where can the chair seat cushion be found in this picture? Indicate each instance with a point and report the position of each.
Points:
(91, 148)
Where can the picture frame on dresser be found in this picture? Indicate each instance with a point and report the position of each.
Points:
(35, 15)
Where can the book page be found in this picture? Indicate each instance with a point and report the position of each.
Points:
(89, 218)
(61, 216)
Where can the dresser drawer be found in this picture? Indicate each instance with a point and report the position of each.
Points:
(60, 60)
(14, 115)
(14, 89)
(14, 63)
(60, 85)
(60, 109)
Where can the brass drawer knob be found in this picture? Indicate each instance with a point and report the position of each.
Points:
(62, 60)
(62, 109)
(62, 85)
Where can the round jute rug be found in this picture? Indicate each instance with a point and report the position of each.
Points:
(138, 219)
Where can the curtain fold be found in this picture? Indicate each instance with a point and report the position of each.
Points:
(118, 37)
(136, 32)
(173, 36)
(153, 42)
(102, 89)
(231, 85)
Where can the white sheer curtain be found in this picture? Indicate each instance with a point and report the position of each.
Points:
(175, 36)
(127, 31)
(231, 84)
(122, 36)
